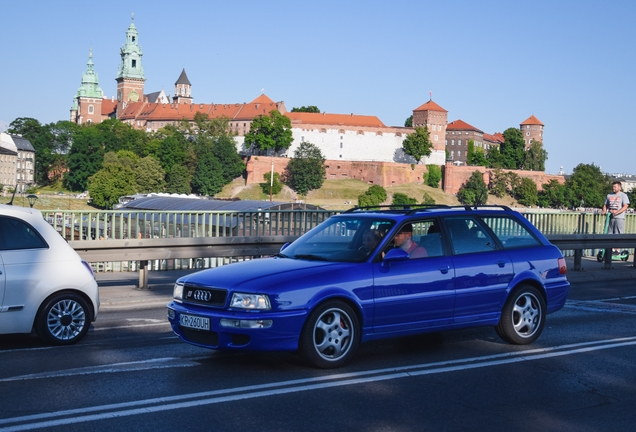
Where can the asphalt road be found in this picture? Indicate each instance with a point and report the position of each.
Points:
(132, 373)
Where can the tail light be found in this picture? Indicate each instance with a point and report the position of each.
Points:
(563, 268)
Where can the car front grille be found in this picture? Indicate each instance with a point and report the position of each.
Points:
(204, 296)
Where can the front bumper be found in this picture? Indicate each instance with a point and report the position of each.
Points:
(282, 335)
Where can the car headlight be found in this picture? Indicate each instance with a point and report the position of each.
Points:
(250, 301)
(177, 292)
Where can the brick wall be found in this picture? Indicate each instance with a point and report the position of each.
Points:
(455, 176)
(388, 173)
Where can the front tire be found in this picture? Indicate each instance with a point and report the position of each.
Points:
(64, 319)
(522, 317)
(330, 336)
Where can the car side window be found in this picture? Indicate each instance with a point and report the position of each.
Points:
(511, 233)
(468, 236)
(427, 234)
(16, 234)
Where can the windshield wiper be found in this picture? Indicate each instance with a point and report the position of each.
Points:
(281, 255)
(310, 257)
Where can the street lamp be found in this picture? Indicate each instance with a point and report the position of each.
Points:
(32, 199)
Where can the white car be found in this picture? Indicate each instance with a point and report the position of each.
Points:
(44, 284)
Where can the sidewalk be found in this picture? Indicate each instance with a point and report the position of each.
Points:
(118, 290)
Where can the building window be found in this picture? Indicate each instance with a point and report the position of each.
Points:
(435, 137)
(91, 109)
(459, 153)
(452, 154)
(340, 145)
(452, 142)
(134, 64)
(459, 142)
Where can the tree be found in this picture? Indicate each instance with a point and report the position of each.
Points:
(535, 157)
(494, 158)
(178, 180)
(498, 183)
(307, 109)
(306, 170)
(110, 183)
(526, 192)
(374, 196)
(434, 175)
(276, 185)
(84, 158)
(554, 195)
(418, 144)
(270, 132)
(588, 186)
(513, 149)
(403, 199)
(475, 156)
(149, 176)
(632, 198)
(117, 135)
(232, 166)
(172, 148)
(409, 121)
(474, 191)
(208, 176)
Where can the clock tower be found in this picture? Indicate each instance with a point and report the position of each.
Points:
(130, 77)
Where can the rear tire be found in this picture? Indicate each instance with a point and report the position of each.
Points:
(522, 317)
(330, 336)
(64, 319)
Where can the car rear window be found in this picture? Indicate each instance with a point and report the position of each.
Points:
(511, 233)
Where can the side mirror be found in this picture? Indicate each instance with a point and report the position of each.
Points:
(395, 254)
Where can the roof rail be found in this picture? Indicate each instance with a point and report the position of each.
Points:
(409, 208)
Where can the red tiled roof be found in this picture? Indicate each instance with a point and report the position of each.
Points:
(175, 112)
(108, 106)
(430, 106)
(334, 119)
(497, 137)
(461, 125)
(532, 120)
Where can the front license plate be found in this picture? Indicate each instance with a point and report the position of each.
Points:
(194, 322)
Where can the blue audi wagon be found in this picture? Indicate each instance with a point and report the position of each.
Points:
(368, 274)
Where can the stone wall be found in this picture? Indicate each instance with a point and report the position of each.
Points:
(386, 174)
(454, 176)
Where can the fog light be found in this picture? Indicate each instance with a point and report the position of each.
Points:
(233, 323)
(171, 314)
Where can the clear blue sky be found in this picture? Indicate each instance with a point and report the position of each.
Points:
(491, 63)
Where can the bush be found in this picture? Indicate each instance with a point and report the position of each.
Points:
(403, 199)
(474, 191)
(277, 185)
(372, 197)
(427, 199)
(434, 175)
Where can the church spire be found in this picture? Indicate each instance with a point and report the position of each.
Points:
(130, 66)
(90, 81)
(130, 77)
(182, 89)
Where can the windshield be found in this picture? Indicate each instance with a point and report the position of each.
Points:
(343, 239)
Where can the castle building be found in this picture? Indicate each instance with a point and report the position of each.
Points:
(532, 129)
(347, 137)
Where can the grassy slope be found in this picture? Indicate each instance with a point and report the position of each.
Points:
(334, 195)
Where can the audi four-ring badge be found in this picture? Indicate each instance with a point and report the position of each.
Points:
(375, 273)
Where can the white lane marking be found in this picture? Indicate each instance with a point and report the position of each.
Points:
(158, 363)
(307, 384)
(166, 323)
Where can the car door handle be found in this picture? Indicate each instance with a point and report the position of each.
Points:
(445, 269)
(501, 263)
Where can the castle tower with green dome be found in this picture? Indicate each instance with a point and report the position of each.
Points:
(130, 77)
(87, 104)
